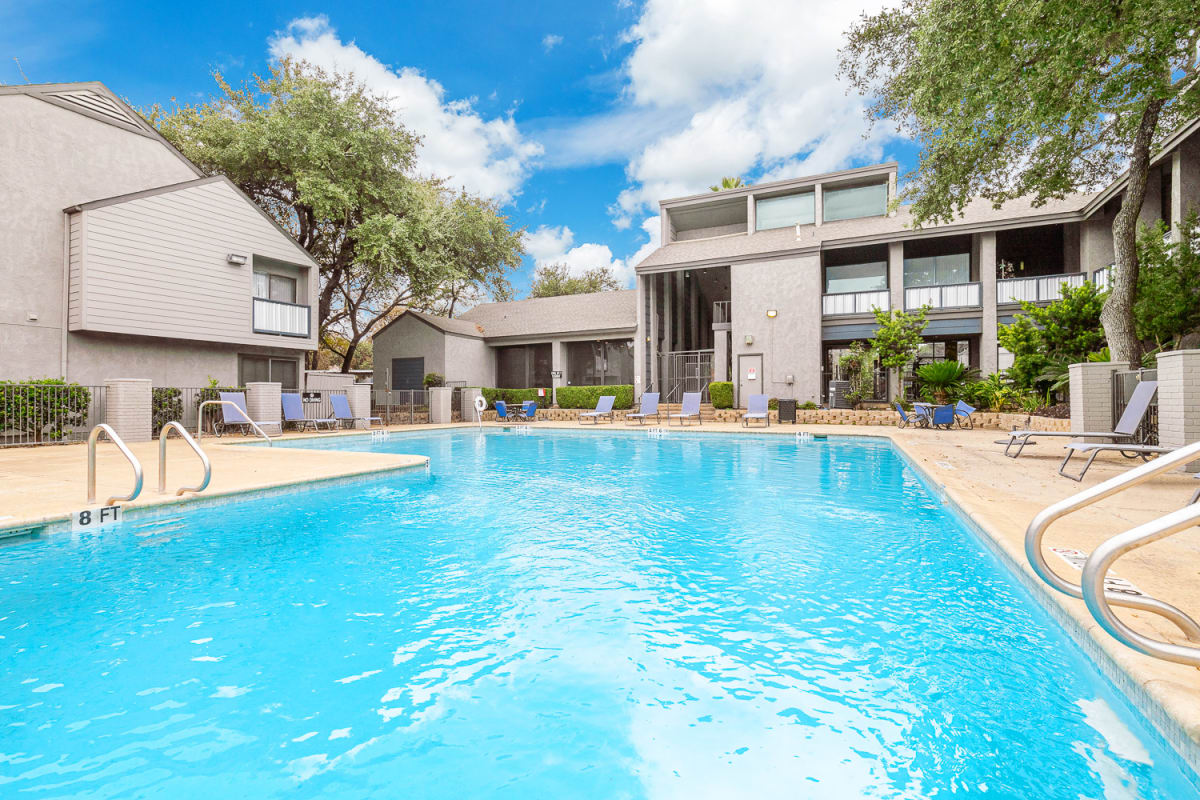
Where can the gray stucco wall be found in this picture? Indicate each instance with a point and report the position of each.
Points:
(408, 337)
(51, 158)
(791, 342)
(470, 361)
(1095, 242)
(94, 358)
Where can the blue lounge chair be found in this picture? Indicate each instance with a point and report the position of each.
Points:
(943, 417)
(502, 411)
(917, 420)
(962, 415)
(756, 408)
(649, 408)
(689, 408)
(238, 417)
(529, 410)
(293, 413)
(604, 408)
(1126, 427)
(341, 411)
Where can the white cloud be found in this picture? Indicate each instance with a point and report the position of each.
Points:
(556, 245)
(487, 156)
(550, 41)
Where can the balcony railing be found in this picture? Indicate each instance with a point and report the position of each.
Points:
(950, 295)
(721, 312)
(284, 319)
(833, 305)
(1103, 278)
(1039, 289)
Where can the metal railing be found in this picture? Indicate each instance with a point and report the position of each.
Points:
(1092, 583)
(1103, 277)
(1037, 289)
(162, 459)
(93, 437)
(949, 295)
(400, 406)
(253, 425)
(840, 303)
(48, 413)
(284, 319)
(721, 312)
(1123, 384)
(877, 391)
(685, 371)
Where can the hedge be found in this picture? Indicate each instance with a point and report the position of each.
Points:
(720, 393)
(588, 396)
(166, 405)
(517, 396)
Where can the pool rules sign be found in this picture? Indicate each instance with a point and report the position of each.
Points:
(88, 519)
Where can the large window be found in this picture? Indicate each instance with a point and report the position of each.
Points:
(783, 212)
(859, 201)
(269, 286)
(869, 277)
(523, 366)
(601, 363)
(937, 270)
(265, 369)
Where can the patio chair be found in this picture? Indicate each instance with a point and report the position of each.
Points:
(529, 410)
(649, 408)
(604, 408)
(917, 419)
(690, 407)
(293, 413)
(1093, 449)
(962, 415)
(1125, 428)
(756, 408)
(238, 417)
(502, 411)
(943, 417)
(341, 411)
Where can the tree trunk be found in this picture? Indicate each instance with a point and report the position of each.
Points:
(1117, 314)
(348, 359)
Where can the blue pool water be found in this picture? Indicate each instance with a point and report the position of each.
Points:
(557, 615)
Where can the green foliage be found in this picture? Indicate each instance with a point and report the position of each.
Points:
(586, 397)
(807, 405)
(720, 394)
(942, 378)
(433, 379)
(517, 396)
(554, 280)
(46, 409)
(858, 365)
(1168, 299)
(898, 336)
(166, 404)
(1045, 338)
(727, 183)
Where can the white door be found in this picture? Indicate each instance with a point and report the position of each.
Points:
(750, 378)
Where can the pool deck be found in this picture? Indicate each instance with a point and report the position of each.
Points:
(1000, 495)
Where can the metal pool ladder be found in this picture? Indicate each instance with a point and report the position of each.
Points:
(1091, 589)
(93, 437)
(162, 459)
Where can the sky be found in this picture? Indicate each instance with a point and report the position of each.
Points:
(578, 117)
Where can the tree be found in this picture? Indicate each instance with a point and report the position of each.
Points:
(898, 336)
(1034, 98)
(727, 183)
(1064, 332)
(1168, 303)
(553, 280)
(335, 166)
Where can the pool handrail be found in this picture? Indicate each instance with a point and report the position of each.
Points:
(1113, 548)
(93, 437)
(250, 422)
(162, 459)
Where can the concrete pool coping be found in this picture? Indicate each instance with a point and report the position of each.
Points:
(995, 497)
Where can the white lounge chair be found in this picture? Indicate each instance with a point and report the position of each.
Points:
(649, 408)
(293, 413)
(689, 408)
(341, 411)
(1125, 428)
(604, 408)
(236, 416)
(756, 408)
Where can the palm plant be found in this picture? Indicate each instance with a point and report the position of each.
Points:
(940, 378)
(727, 183)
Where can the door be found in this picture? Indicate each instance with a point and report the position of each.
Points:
(750, 378)
(408, 373)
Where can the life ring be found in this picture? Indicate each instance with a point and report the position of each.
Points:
(480, 404)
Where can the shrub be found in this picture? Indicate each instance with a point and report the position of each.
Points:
(720, 393)
(166, 405)
(587, 396)
(941, 378)
(48, 409)
(808, 405)
(516, 396)
(434, 379)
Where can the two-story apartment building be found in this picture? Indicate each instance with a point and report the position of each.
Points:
(120, 258)
(767, 285)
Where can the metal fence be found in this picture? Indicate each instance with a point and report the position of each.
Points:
(47, 413)
(1123, 384)
(182, 404)
(685, 371)
(877, 392)
(400, 406)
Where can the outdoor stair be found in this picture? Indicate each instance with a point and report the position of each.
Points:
(707, 412)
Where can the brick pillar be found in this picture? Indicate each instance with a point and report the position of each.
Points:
(469, 393)
(1179, 400)
(439, 404)
(127, 408)
(358, 396)
(1091, 395)
(263, 402)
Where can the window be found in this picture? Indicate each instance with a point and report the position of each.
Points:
(783, 212)
(253, 369)
(523, 366)
(269, 286)
(870, 277)
(601, 363)
(937, 270)
(859, 201)
(408, 373)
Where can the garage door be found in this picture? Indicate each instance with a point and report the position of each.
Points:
(408, 373)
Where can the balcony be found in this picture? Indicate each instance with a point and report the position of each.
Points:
(281, 319)
(845, 303)
(720, 314)
(1039, 289)
(943, 297)
(1103, 278)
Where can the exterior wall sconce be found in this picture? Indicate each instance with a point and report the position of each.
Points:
(236, 259)
(749, 339)
(772, 313)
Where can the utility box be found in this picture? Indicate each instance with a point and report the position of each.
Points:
(787, 411)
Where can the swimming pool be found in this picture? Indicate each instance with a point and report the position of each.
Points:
(560, 614)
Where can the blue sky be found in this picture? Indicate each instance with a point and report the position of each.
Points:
(577, 116)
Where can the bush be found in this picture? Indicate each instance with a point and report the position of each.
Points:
(720, 393)
(807, 405)
(588, 396)
(434, 379)
(48, 409)
(516, 397)
(166, 405)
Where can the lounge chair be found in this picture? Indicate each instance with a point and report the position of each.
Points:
(529, 410)
(1143, 451)
(962, 415)
(649, 408)
(293, 413)
(341, 411)
(943, 417)
(756, 408)
(918, 419)
(689, 408)
(238, 417)
(604, 408)
(1125, 428)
